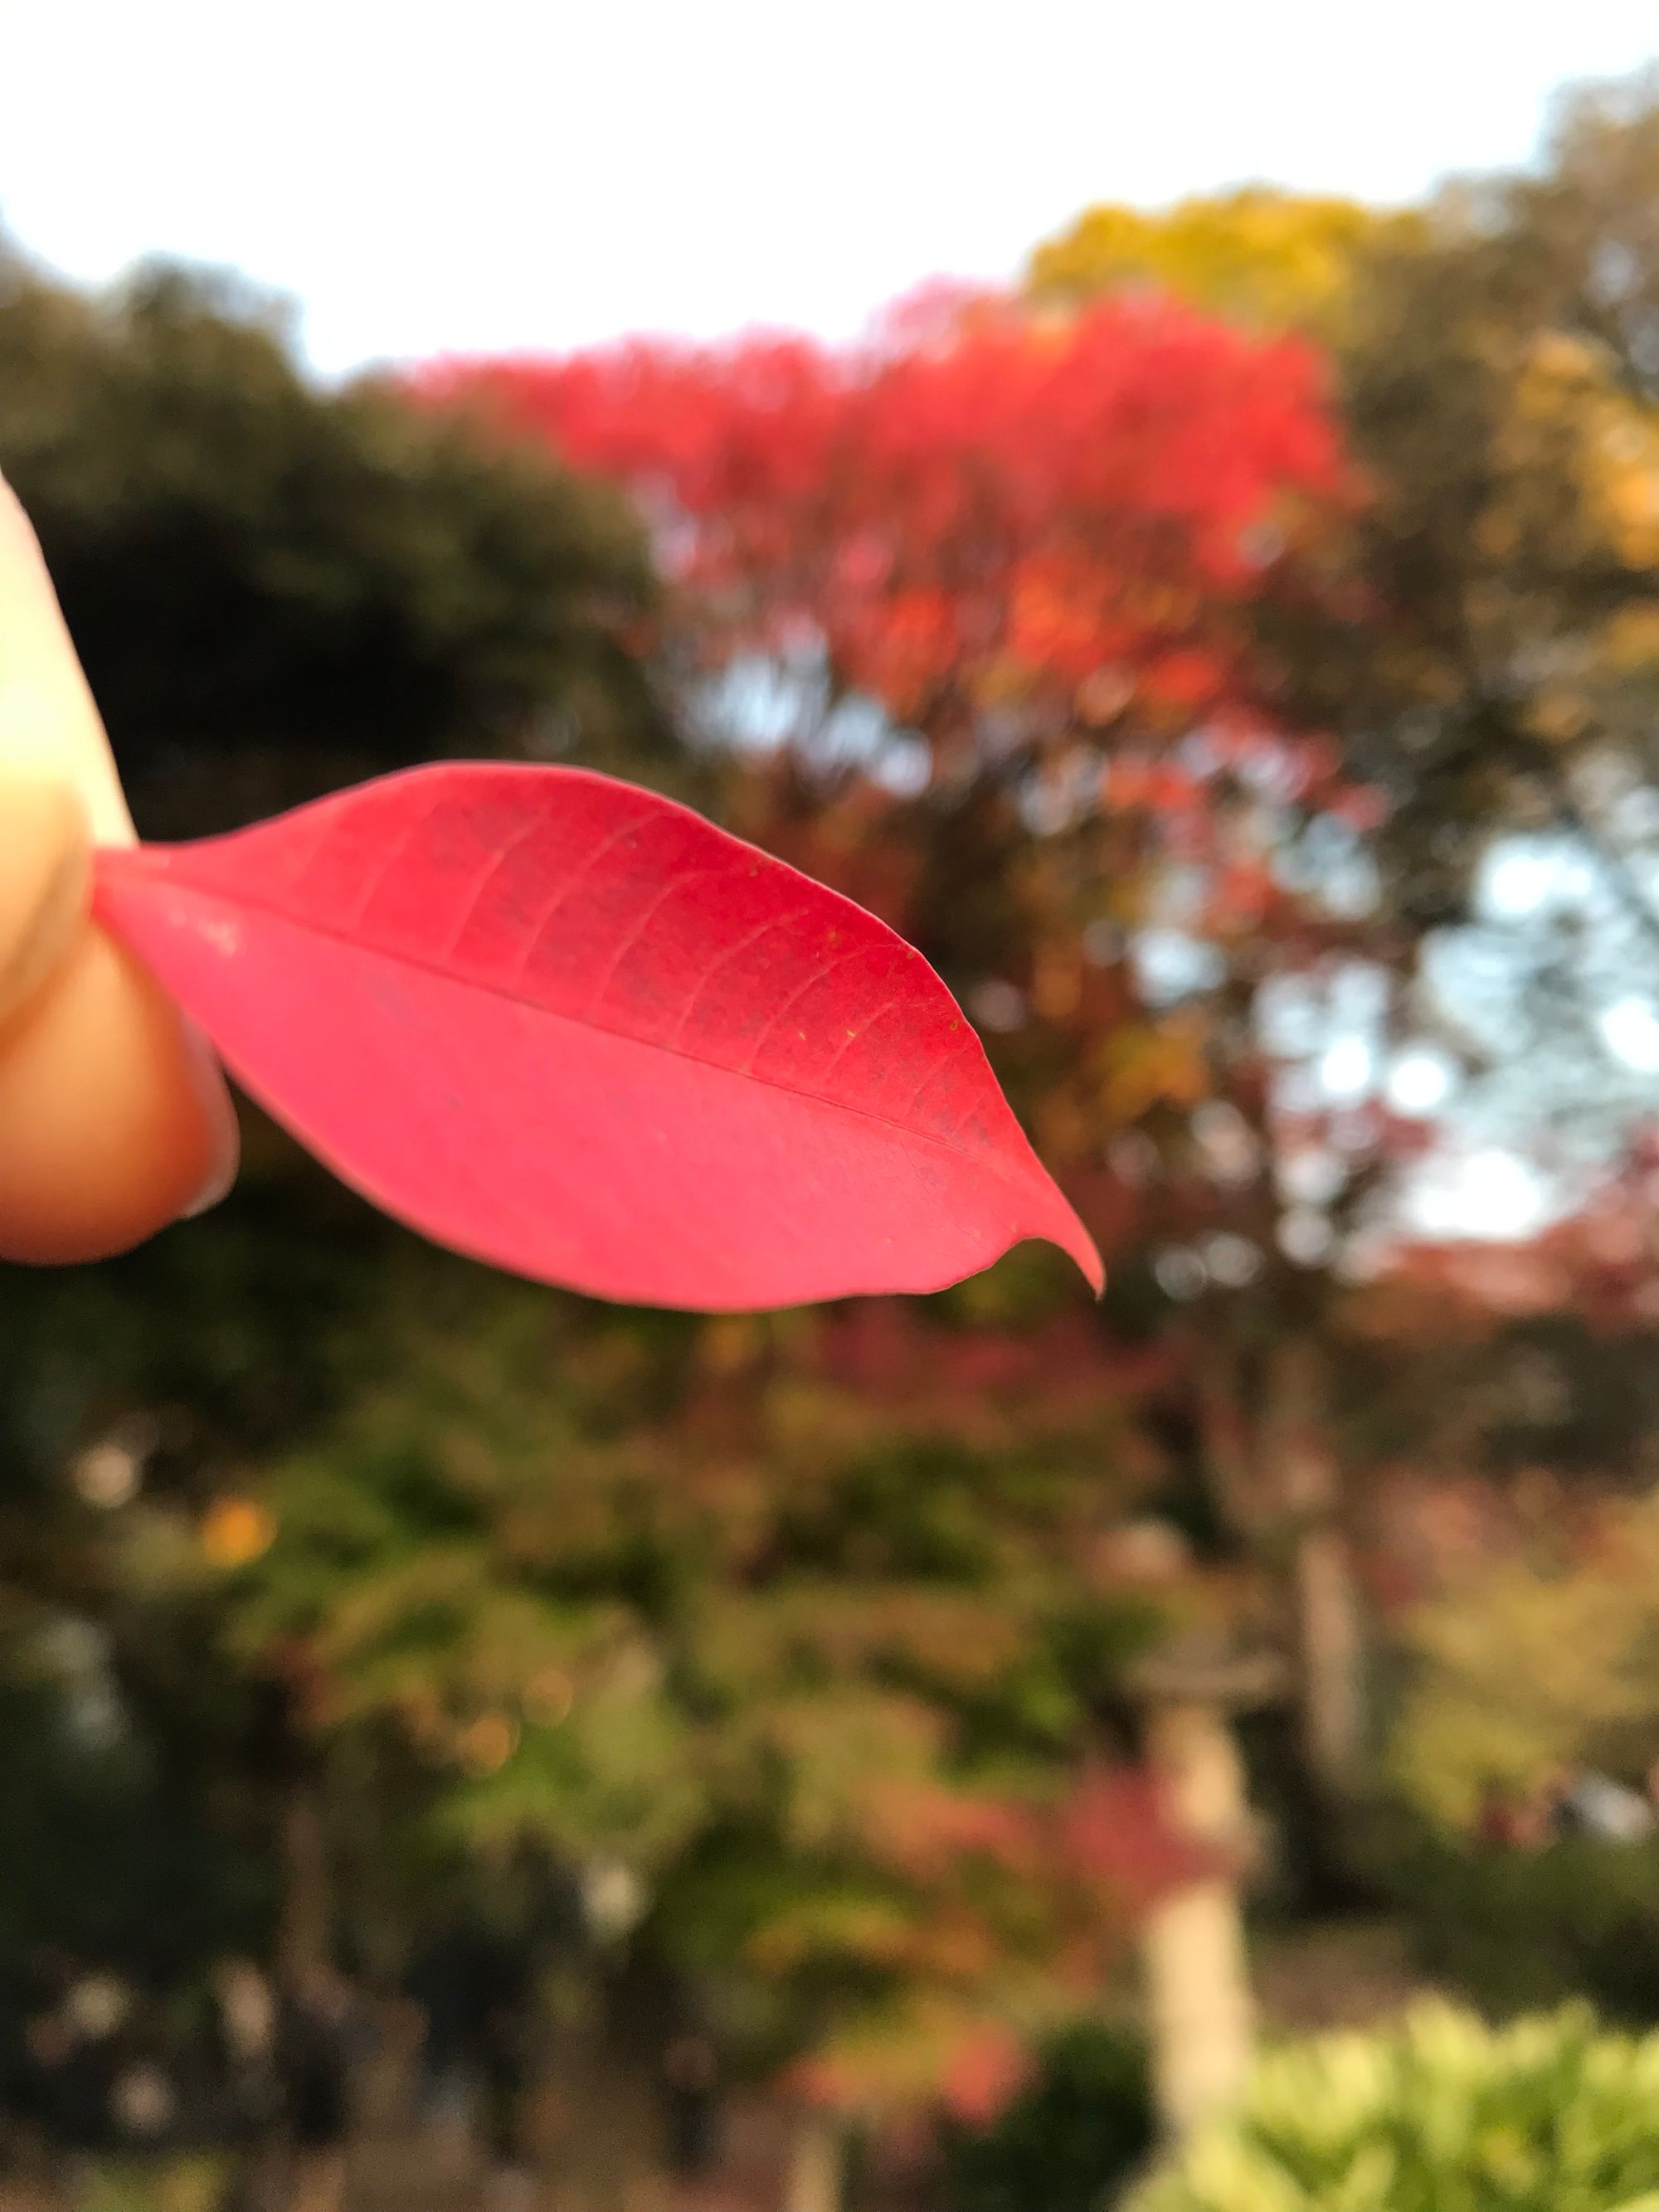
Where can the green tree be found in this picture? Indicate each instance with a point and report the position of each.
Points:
(275, 588)
(825, 1738)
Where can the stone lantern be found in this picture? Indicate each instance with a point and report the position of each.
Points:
(1197, 1974)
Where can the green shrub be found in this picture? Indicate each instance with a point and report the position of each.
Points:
(1082, 2126)
(1439, 2114)
(1519, 1930)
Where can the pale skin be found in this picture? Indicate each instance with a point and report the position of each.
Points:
(113, 1119)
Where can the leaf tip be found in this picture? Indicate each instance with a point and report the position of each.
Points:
(1082, 1247)
(1060, 1225)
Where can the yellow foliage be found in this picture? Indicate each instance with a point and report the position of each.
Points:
(1528, 1667)
(1632, 640)
(549, 1697)
(730, 1344)
(1557, 716)
(1624, 461)
(1273, 258)
(1057, 980)
(1155, 1063)
(486, 1744)
(1566, 392)
(235, 1531)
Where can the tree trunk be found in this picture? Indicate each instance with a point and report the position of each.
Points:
(304, 1945)
(1327, 1615)
(1330, 1659)
(1192, 1951)
(816, 2172)
(1231, 1474)
(596, 2123)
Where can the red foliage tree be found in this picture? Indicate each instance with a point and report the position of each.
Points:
(984, 515)
(1037, 566)
(1053, 557)
(1042, 550)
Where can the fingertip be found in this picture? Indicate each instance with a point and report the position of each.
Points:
(222, 1152)
(116, 1123)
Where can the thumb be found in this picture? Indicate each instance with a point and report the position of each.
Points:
(49, 726)
(45, 854)
(112, 1118)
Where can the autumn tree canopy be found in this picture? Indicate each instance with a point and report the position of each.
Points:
(1048, 526)
(1262, 257)
(1036, 569)
(1010, 573)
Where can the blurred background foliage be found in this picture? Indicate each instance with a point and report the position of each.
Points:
(275, 590)
(1233, 660)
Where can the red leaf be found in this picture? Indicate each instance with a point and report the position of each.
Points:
(574, 1029)
(987, 2071)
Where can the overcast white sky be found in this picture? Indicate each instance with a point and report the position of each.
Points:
(491, 173)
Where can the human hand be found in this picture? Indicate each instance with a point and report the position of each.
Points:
(113, 1118)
